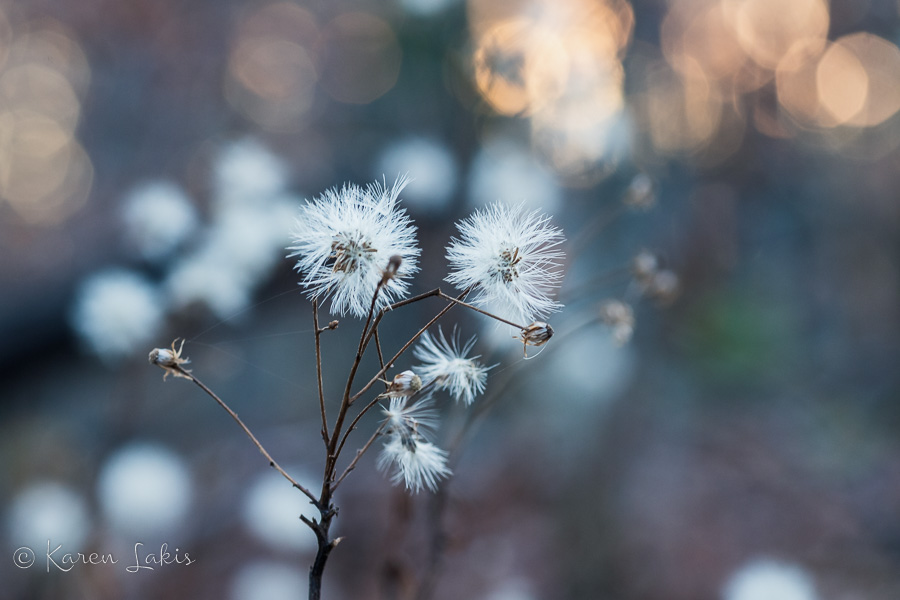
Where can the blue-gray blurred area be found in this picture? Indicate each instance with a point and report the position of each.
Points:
(716, 419)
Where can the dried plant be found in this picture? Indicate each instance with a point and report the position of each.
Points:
(357, 247)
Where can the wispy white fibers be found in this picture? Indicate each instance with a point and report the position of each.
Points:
(420, 464)
(511, 258)
(344, 240)
(448, 365)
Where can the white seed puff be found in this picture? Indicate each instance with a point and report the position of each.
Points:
(346, 240)
(512, 258)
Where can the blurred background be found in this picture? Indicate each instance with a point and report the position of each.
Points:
(716, 417)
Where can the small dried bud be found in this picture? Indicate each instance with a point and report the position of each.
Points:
(644, 266)
(665, 286)
(620, 317)
(162, 357)
(640, 194)
(404, 384)
(392, 267)
(333, 324)
(536, 334)
(169, 360)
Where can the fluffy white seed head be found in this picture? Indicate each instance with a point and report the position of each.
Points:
(450, 367)
(344, 241)
(512, 257)
(410, 420)
(419, 463)
(619, 316)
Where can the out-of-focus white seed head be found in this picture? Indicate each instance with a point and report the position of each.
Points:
(644, 266)
(117, 312)
(158, 216)
(641, 193)
(432, 170)
(620, 318)
(766, 579)
(665, 286)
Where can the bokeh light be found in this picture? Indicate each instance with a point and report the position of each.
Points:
(271, 71)
(559, 64)
(359, 58)
(45, 173)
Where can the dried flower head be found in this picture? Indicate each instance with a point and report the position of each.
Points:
(347, 239)
(511, 258)
(620, 318)
(420, 464)
(170, 360)
(536, 334)
(404, 384)
(449, 367)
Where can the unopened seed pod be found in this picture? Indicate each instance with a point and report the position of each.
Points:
(537, 334)
(406, 383)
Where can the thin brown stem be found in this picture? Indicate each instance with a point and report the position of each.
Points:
(184, 373)
(346, 400)
(380, 357)
(356, 458)
(362, 337)
(476, 309)
(315, 307)
(396, 305)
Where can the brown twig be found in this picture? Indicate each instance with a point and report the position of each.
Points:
(315, 307)
(187, 374)
(359, 454)
(476, 309)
